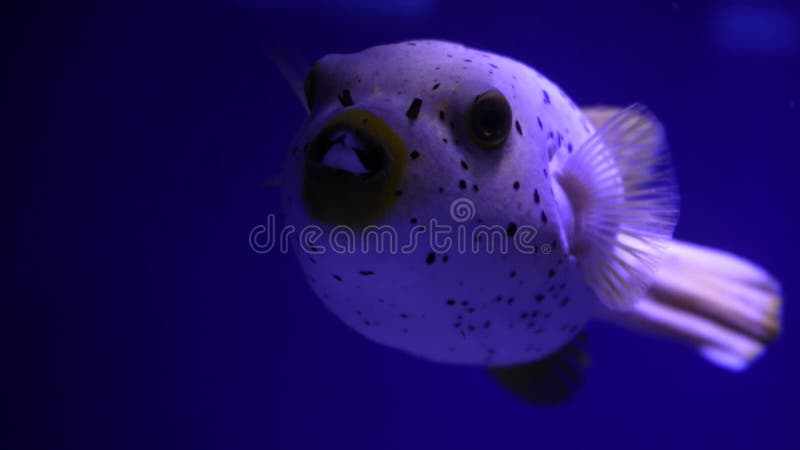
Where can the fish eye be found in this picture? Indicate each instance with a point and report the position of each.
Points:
(490, 120)
(310, 85)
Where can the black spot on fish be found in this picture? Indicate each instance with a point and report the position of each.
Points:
(551, 273)
(546, 97)
(441, 115)
(414, 220)
(462, 184)
(450, 302)
(487, 324)
(464, 165)
(539, 120)
(539, 298)
(414, 154)
(398, 193)
(569, 147)
(413, 110)
(436, 86)
(564, 301)
(544, 218)
(511, 229)
(366, 272)
(404, 316)
(430, 258)
(518, 127)
(445, 258)
(475, 187)
(516, 185)
(536, 198)
(513, 274)
(337, 277)
(345, 98)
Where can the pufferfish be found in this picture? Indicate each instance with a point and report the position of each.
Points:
(555, 215)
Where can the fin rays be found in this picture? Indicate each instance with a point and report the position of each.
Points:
(725, 306)
(625, 202)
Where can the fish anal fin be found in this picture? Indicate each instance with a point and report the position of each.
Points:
(549, 381)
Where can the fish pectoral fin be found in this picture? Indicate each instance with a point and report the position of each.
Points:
(623, 197)
(293, 69)
(548, 381)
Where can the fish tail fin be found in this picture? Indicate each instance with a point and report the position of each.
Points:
(725, 306)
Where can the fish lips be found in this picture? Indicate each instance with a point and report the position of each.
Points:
(356, 188)
(368, 153)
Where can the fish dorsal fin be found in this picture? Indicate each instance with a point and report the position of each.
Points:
(624, 201)
(600, 114)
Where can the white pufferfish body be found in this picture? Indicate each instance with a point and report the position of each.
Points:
(464, 307)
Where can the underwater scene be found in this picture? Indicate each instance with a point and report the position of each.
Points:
(422, 224)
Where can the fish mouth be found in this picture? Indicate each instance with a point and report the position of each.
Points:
(354, 169)
(348, 155)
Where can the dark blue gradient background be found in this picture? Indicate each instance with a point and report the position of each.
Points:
(136, 142)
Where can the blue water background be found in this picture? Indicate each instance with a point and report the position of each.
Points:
(137, 139)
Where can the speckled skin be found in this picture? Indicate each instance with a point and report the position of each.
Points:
(485, 308)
